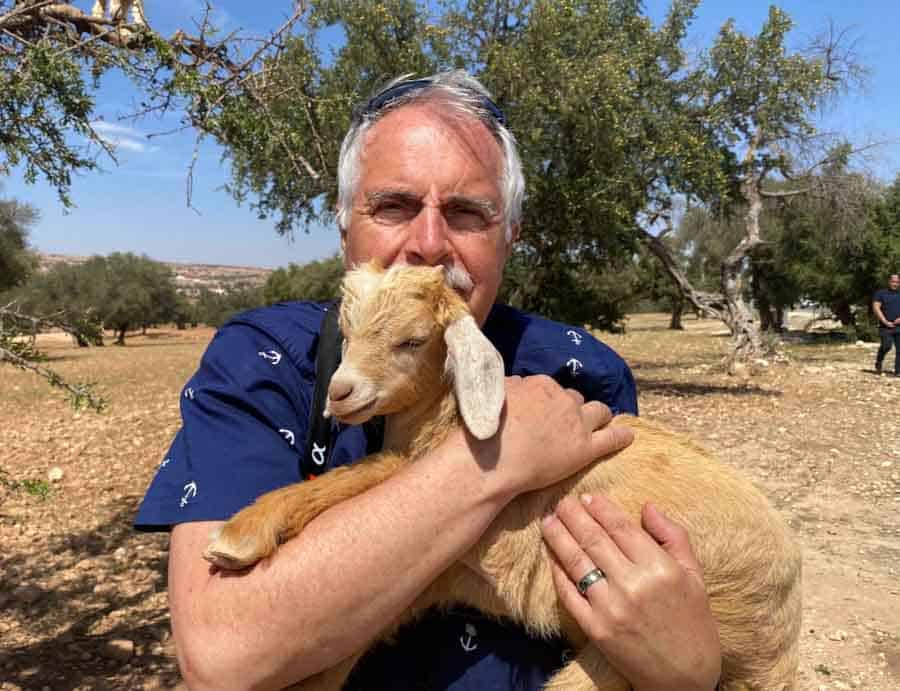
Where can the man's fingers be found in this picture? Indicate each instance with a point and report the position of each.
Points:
(630, 538)
(575, 396)
(672, 537)
(573, 601)
(611, 438)
(573, 560)
(596, 415)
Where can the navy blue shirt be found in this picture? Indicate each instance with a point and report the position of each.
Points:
(890, 304)
(245, 414)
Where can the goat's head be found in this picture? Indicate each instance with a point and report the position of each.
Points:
(407, 336)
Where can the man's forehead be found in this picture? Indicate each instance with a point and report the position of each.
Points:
(420, 130)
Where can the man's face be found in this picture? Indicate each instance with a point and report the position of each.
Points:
(894, 282)
(429, 194)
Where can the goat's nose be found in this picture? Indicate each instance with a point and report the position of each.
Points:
(339, 389)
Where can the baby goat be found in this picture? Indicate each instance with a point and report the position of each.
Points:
(415, 354)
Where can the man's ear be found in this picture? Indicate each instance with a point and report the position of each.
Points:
(478, 376)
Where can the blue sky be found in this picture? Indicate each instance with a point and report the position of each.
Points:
(140, 205)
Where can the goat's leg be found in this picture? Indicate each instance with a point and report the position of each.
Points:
(255, 532)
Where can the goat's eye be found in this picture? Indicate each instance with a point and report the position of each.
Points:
(411, 344)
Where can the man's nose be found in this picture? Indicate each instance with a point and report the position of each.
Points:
(428, 241)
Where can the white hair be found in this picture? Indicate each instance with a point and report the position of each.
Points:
(464, 94)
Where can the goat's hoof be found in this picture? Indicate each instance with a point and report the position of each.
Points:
(232, 554)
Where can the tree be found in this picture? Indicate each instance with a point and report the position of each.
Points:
(316, 280)
(215, 309)
(118, 292)
(615, 124)
(834, 266)
(18, 326)
(757, 101)
(134, 291)
(17, 262)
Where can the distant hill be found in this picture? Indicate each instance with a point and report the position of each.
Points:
(189, 278)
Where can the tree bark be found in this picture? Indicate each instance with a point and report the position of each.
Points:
(844, 313)
(677, 312)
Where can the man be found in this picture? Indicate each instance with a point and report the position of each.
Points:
(886, 306)
(428, 174)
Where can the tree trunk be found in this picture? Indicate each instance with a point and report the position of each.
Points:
(747, 342)
(677, 312)
(120, 340)
(844, 313)
(780, 321)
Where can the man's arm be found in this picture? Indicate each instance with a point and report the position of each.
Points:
(879, 315)
(328, 593)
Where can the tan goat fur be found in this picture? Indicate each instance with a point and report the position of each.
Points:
(394, 323)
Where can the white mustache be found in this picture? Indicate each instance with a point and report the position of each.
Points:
(458, 278)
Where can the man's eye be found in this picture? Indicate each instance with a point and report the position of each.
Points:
(465, 219)
(392, 212)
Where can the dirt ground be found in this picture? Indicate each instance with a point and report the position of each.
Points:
(83, 597)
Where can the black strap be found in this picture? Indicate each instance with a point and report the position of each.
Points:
(319, 441)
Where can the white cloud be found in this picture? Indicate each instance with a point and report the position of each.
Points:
(123, 137)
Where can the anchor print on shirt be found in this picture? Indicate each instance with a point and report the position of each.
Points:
(318, 454)
(273, 356)
(189, 393)
(468, 641)
(574, 365)
(190, 491)
(287, 434)
(575, 336)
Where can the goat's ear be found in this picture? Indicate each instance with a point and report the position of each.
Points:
(478, 377)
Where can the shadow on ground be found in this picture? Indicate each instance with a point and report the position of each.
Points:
(667, 387)
(93, 606)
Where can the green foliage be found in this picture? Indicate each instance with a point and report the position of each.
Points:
(35, 487)
(45, 101)
(758, 95)
(215, 309)
(136, 291)
(613, 120)
(316, 280)
(831, 266)
(304, 105)
(17, 262)
(118, 292)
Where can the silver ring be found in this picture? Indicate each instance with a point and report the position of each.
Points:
(589, 579)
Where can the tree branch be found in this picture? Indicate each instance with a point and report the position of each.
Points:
(80, 395)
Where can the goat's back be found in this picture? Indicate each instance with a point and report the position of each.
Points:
(751, 564)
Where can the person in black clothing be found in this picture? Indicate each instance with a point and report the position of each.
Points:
(886, 305)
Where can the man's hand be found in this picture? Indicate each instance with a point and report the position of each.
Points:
(546, 434)
(650, 613)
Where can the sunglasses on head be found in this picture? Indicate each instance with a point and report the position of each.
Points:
(407, 86)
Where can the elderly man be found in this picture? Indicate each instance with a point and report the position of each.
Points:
(428, 174)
